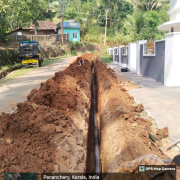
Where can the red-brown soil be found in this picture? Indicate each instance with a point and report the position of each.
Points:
(121, 130)
(162, 133)
(126, 83)
(48, 132)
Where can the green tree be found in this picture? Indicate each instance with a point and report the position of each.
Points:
(112, 5)
(143, 23)
(147, 5)
(15, 13)
(150, 31)
(3, 19)
(3, 26)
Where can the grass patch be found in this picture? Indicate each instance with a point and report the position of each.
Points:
(21, 72)
(26, 70)
(49, 61)
(104, 56)
(3, 68)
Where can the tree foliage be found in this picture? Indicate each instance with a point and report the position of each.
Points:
(18, 13)
(128, 20)
(147, 5)
(151, 22)
(147, 16)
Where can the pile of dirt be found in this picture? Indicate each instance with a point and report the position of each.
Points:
(122, 133)
(162, 133)
(48, 132)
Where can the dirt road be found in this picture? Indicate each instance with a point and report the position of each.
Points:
(16, 90)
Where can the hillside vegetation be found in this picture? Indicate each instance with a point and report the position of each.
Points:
(127, 20)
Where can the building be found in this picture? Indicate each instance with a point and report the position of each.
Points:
(71, 28)
(172, 40)
(174, 18)
(44, 28)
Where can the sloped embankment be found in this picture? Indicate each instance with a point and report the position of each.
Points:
(48, 132)
(122, 137)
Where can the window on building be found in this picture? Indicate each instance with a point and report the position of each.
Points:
(19, 33)
(74, 34)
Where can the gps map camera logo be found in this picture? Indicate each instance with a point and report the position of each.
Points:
(141, 168)
(18, 176)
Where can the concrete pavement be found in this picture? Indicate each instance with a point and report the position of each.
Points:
(16, 90)
(162, 102)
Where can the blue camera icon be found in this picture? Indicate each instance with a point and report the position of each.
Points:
(141, 168)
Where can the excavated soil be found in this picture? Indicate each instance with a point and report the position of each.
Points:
(122, 137)
(53, 130)
(48, 132)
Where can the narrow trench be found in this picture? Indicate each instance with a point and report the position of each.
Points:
(93, 161)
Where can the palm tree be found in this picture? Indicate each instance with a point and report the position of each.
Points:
(131, 24)
(147, 5)
(54, 6)
(112, 5)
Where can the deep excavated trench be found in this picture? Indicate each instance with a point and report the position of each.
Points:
(118, 127)
(93, 150)
(81, 115)
(96, 134)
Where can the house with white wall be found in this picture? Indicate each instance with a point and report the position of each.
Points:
(172, 44)
(162, 61)
(174, 18)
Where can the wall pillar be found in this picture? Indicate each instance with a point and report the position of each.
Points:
(114, 48)
(120, 55)
(172, 60)
(138, 54)
(109, 50)
(132, 53)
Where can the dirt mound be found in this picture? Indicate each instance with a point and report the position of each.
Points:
(48, 132)
(89, 56)
(139, 108)
(162, 133)
(123, 137)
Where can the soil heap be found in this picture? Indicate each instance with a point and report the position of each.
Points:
(122, 135)
(48, 132)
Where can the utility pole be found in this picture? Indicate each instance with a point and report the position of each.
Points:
(35, 30)
(105, 28)
(62, 23)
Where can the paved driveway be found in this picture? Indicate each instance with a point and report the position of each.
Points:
(16, 90)
(162, 102)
